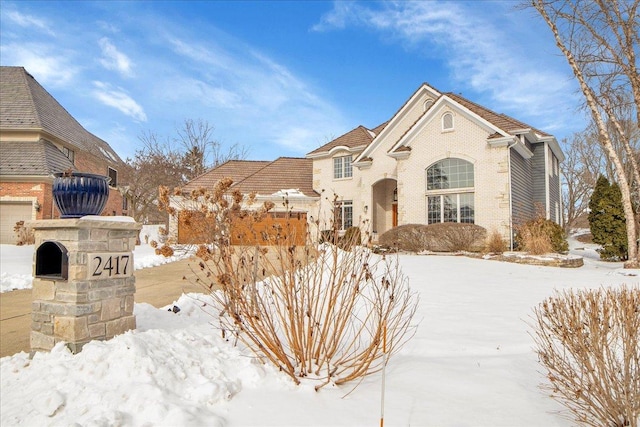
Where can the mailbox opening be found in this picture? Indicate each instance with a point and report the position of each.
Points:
(52, 261)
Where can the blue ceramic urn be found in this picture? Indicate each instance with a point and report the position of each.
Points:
(77, 194)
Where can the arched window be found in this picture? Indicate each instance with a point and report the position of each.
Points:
(450, 191)
(447, 121)
(428, 103)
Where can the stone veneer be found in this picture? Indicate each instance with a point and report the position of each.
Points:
(83, 308)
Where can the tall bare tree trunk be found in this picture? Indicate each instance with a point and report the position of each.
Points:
(594, 105)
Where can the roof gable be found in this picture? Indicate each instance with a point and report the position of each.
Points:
(25, 104)
(498, 125)
(358, 137)
(423, 92)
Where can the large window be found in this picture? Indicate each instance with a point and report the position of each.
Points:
(450, 190)
(342, 167)
(344, 214)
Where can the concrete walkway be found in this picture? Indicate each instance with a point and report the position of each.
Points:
(158, 286)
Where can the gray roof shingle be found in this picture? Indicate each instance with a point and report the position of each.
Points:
(25, 104)
(41, 158)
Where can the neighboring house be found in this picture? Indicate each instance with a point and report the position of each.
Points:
(284, 180)
(440, 158)
(38, 138)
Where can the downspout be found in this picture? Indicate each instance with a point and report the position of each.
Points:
(510, 193)
(547, 184)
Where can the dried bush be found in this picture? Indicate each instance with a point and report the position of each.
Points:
(351, 237)
(454, 237)
(24, 235)
(540, 236)
(324, 313)
(589, 343)
(496, 244)
(441, 237)
(408, 237)
(165, 251)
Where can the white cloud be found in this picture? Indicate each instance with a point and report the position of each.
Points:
(28, 21)
(248, 86)
(119, 99)
(49, 66)
(479, 50)
(113, 59)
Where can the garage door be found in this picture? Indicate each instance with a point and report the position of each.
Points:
(10, 213)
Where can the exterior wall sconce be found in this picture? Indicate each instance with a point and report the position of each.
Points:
(366, 208)
(37, 206)
(395, 195)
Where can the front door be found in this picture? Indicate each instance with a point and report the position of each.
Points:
(394, 217)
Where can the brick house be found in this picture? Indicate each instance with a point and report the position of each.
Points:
(286, 178)
(38, 138)
(440, 158)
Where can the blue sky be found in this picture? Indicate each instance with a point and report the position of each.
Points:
(283, 77)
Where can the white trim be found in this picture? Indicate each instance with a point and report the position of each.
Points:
(421, 91)
(431, 114)
(331, 152)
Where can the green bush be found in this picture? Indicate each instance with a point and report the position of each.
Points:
(607, 221)
(540, 235)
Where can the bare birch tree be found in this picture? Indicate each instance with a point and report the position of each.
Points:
(600, 39)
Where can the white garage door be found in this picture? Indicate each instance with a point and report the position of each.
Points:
(10, 213)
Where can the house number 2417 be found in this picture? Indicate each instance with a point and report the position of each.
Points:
(110, 265)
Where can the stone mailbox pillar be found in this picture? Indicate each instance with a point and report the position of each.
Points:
(83, 285)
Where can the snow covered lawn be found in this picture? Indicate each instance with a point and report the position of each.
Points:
(470, 364)
(16, 261)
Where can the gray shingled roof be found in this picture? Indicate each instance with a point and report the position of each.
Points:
(41, 158)
(25, 104)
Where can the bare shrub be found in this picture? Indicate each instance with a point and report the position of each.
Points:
(454, 237)
(441, 237)
(325, 313)
(24, 235)
(408, 237)
(540, 236)
(589, 343)
(496, 244)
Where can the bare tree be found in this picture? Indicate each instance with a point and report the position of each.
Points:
(583, 164)
(201, 151)
(172, 162)
(599, 39)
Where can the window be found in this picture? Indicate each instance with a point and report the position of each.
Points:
(447, 121)
(71, 155)
(428, 103)
(342, 167)
(113, 175)
(344, 214)
(445, 200)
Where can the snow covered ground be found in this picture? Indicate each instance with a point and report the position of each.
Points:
(16, 262)
(471, 362)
